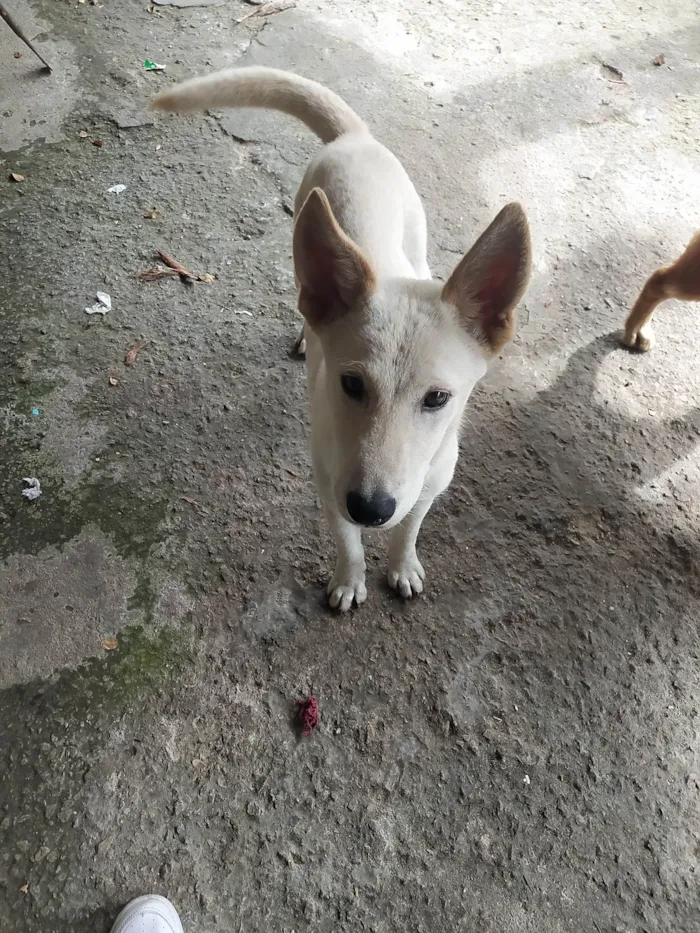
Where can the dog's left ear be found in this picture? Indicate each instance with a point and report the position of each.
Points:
(491, 279)
(332, 271)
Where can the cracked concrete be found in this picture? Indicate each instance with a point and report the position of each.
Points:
(518, 749)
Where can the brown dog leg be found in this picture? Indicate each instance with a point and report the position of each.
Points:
(681, 280)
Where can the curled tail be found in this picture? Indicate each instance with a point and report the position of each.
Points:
(326, 114)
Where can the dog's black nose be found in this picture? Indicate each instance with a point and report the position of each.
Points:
(370, 510)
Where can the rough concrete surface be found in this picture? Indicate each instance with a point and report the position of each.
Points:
(518, 750)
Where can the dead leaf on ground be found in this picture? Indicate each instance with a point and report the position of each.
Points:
(151, 215)
(113, 381)
(24, 889)
(130, 357)
(659, 60)
(15, 176)
(110, 644)
(83, 134)
(98, 142)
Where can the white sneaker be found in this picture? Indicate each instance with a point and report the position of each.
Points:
(150, 914)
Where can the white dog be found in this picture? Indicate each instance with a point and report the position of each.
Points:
(392, 356)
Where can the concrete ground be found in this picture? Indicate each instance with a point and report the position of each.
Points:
(518, 750)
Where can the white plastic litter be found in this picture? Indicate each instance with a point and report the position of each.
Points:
(116, 189)
(33, 490)
(104, 304)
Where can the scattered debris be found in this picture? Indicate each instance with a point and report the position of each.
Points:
(151, 215)
(98, 143)
(35, 412)
(130, 357)
(15, 176)
(83, 134)
(116, 189)
(18, 54)
(110, 644)
(33, 490)
(173, 267)
(308, 714)
(18, 31)
(268, 9)
(659, 60)
(153, 66)
(113, 381)
(102, 306)
(611, 72)
(24, 889)
(526, 780)
(243, 311)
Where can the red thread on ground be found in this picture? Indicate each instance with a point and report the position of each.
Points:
(308, 714)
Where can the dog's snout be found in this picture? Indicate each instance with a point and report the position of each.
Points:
(372, 510)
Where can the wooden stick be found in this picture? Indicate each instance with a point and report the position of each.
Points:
(178, 267)
(5, 13)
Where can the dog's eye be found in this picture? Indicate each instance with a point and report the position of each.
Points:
(352, 386)
(436, 399)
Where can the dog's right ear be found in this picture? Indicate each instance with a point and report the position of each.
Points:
(332, 271)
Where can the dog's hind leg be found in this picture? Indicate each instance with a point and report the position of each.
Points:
(638, 333)
(681, 280)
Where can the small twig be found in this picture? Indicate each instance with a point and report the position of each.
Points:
(174, 268)
(267, 9)
(18, 31)
(178, 267)
(157, 272)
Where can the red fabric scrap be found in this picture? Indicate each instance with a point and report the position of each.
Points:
(308, 714)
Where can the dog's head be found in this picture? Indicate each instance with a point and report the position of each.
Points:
(401, 356)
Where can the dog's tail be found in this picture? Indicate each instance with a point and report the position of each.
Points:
(320, 109)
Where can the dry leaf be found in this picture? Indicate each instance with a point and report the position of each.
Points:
(83, 134)
(15, 176)
(151, 215)
(207, 277)
(659, 60)
(113, 381)
(98, 142)
(24, 889)
(130, 357)
(110, 644)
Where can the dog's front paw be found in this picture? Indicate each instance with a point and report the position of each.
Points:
(406, 576)
(347, 587)
(641, 340)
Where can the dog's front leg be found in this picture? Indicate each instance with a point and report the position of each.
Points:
(348, 582)
(406, 574)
